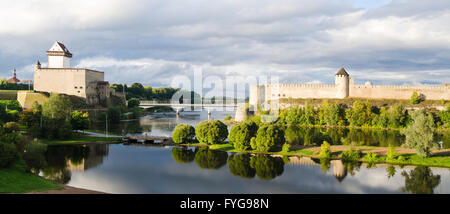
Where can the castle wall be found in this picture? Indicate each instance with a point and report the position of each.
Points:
(61, 80)
(300, 91)
(72, 81)
(399, 91)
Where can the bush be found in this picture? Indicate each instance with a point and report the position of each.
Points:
(325, 150)
(267, 138)
(371, 157)
(390, 155)
(183, 133)
(241, 135)
(10, 127)
(211, 132)
(351, 155)
(79, 120)
(286, 147)
(8, 154)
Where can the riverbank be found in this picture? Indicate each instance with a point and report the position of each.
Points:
(403, 156)
(17, 180)
(85, 137)
(67, 190)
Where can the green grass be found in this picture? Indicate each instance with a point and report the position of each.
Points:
(17, 180)
(412, 159)
(81, 140)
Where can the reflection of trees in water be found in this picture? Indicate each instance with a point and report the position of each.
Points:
(390, 169)
(336, 136)
(210, 159)
(239, 165)
(62, 159)
(421, 180)
(183, 155)
(325, 165)
(445, 138)
(267, 167)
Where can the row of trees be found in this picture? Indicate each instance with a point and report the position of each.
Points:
(138, 91)
(360, 114)
(243, 136)
(5, 85)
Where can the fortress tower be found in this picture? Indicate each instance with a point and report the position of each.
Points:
(58, 56)
(341, 80)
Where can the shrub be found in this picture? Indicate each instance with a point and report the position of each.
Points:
(10, 127)
(267, 138)
(351, 155)
(325, 150)
(211, 132)
(415, 98)
(183, 133)
(371, 157)
(241, 135)
(79, 120)
(390, 155)
(286, 147)
(401, 158)
(8, 154)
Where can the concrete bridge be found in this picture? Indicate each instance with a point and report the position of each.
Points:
(180, 106)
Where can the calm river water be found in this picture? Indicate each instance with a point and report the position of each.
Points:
(117, 168)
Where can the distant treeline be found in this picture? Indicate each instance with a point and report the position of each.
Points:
(5, 85)
(138, 91)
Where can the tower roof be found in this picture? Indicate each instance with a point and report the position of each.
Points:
(13, 79)
(342, 72)
(59, 49)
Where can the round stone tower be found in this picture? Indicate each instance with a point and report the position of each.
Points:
(341, 80)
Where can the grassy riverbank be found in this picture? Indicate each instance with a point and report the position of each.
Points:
(440, 158)
(82, 140)
(17, 180)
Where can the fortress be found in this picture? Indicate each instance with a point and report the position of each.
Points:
(344, 87)
(60, 78)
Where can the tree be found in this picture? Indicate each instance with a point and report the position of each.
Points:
(183, 155)
(210, 159)
(444, 116)
(239, 165)
(419, 135)
(183, 133)
(360, 114)
(211, 132)
(415, 98)
(241, 134)
(79, 120)
(133, 102)
(58, 107)
(267, 138)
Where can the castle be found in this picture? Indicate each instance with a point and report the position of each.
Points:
(342, 88)
(60, 78)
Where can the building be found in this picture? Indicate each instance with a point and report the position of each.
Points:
(344, 87)
(14, 79)
(60, 78)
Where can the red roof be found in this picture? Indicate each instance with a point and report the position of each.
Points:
(13, 80)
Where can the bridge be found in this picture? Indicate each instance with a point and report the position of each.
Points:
(180, 106)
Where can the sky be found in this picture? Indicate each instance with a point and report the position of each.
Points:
(299, 41)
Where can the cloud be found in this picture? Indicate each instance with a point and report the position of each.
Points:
(401, 41)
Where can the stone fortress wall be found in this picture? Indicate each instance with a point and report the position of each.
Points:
(344, 87)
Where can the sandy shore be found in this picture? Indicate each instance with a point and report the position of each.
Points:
(68, 190)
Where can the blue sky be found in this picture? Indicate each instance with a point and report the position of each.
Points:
(300, 41)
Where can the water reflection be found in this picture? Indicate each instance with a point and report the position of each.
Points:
(207, 158)
(421, 180)
(185, 169)
(61, 161)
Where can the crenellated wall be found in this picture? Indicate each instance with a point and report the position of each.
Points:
(399, 91)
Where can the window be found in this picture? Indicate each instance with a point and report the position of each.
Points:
(81, 87)
(75, 87)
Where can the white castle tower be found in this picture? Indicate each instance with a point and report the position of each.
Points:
(58, 56)
(341, 80)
